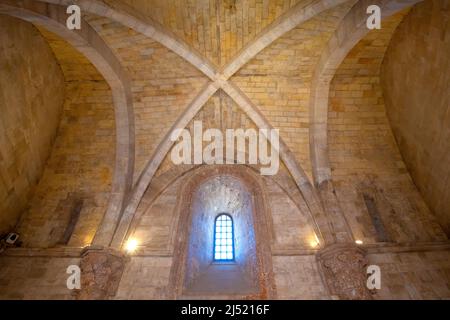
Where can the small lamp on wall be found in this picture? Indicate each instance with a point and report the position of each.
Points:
(10, 241)
(131, 245)
(11, 238)
(314, 243)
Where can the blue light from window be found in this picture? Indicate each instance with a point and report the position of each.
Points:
(223, 238)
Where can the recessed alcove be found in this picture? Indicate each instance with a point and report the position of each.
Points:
(221, 194)
(211, 194)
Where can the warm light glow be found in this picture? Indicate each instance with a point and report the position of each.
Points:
(131, 246)
(358, 242)
(88, 240)
(315, 242)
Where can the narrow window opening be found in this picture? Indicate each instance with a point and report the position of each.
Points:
(223, 238)
(381, 234)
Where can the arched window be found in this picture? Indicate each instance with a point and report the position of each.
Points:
(223, 238)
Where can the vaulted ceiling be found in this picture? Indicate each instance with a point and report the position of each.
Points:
(218, 29)
(268, 62)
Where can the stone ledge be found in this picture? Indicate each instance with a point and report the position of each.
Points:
(62, 252)
(76, 252)
(406, 247)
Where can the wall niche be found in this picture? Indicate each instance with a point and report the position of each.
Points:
(208, 193)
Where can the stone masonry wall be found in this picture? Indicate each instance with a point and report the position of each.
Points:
(217, 29)
(415, 78)
(145, 278)
(31, 100)
(278, 79)
(163, 84)
(33, 278)
(404, 275)
(81, 164)
(373, 186)
(298, 277)
(413, 275)
(291, 227)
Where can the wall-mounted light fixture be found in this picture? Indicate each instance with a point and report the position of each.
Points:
(314, 242)
(131, 245)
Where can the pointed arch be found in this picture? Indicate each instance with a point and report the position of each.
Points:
(350, 31)
(91, 45)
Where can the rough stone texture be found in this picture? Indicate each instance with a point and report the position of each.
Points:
(101, 272)
(417, 95)
(31, 100)
(343, 267)
(363, 154)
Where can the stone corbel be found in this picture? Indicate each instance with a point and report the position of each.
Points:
(101, 272)
(343, 269)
